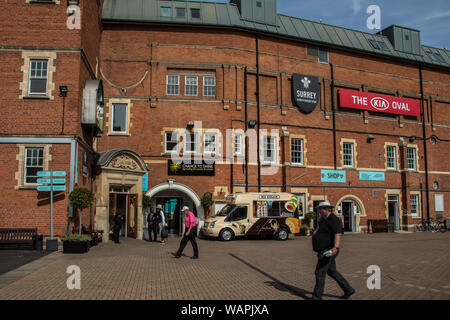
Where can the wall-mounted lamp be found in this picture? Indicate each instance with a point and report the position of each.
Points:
(252, 123)
(190, 125)
(412, 139)
(370, 138)
(63, 91)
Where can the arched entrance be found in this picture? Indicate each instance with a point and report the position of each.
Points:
(173, 196)
(350, 209)
(119, 191)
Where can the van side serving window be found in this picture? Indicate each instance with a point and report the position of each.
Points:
(271, 209)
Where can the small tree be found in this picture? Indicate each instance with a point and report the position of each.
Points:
(310, 217)
(146, 201)
(207, 201)
(81, 198)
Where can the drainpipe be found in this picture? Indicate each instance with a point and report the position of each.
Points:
(333, 106)
(258, 120)
(424, 143)
(246, 128)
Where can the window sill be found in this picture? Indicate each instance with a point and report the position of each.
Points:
(270, 164)
(118, 134)
(28, 187)
(350, 168)
(297, 165)
(43, 1)
(36, 97)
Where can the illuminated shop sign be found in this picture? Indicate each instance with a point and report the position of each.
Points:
(378, 103)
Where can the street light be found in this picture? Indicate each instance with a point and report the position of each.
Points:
(63, 93)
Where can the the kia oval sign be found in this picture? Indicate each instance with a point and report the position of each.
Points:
(379, 103)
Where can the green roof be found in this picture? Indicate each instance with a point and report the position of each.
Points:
(227, 15)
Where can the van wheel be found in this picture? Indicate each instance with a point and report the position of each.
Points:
(282, 234)
(226, 235)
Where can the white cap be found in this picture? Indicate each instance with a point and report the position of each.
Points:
(185, 208)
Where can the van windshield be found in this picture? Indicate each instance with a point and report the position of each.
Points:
(226, 210)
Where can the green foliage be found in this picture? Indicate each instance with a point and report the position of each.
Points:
(77, 238)
(304, 228)
(309, 216)
(146, 201)
(207, 200)
(81, 198)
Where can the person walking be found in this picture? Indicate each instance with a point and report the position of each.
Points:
(326, 241)
(150, 223)
(156, 219)
(117, 227)
(162, 224)
(189, 234)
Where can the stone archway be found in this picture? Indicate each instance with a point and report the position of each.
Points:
(119, 168)
(359, 203)
(171, 185)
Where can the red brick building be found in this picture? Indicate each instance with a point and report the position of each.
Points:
(195, 77)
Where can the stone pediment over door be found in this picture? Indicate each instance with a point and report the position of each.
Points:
(122, 159)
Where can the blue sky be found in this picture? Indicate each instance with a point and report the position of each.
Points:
(431, 17)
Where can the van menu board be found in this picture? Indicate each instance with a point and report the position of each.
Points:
(377, 102)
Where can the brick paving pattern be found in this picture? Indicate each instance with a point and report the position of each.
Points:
(413, 266)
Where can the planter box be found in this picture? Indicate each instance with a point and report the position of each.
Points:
(75, 246)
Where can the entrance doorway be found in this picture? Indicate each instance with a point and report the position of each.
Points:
(394, 217)
(172, 209)
(349, 217)
(124, 204)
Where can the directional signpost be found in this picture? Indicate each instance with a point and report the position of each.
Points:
(47, 182)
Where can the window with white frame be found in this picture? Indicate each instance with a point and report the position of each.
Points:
(191, 88)
(411, 155)
(173, 84)
(191, 142)
(391, 152)
(119, 118)
(38, 77)
(269, 149)
(238, 137)
(166, 11)
(34, 162)
(414, 201)
(348, 154)
(209, 86)
(171, 141)
(297, 151)
(210, 142)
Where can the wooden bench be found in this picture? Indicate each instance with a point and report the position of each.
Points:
(378, 225)
(18, 237)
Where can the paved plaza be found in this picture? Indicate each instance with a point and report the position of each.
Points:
(413, 266)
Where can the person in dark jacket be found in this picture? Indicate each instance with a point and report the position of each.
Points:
(156, 219)
(326, 242)
(117, 227)
(150, 224)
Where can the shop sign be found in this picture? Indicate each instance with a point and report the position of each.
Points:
(335, 176)
(379, 103)
(371, 176)
(306, 92)
(192, 168)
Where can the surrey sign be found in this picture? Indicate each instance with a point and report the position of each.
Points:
(378, 102)
(306, 92)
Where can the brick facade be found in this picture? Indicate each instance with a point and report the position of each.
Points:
(133, 60)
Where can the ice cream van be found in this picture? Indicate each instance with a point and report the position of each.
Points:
(255, 214)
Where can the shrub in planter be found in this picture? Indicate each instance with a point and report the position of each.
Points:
(309, 217)
(76, 243)
(303, 229)
(81, 198)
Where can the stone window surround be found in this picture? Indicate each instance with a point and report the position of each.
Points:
(19, 176)
(419, 209)
(355, 162)
(276, 149)
(304, 151)
(397, 158)
(109, 116)
(412, 146)
(27, 56)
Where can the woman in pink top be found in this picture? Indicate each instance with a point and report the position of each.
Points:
(189, 234)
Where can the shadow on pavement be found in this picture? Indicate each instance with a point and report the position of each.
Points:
(13, 259)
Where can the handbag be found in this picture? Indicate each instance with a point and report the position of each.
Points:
(164, 233)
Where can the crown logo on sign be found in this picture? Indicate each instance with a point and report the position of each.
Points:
(306, 82)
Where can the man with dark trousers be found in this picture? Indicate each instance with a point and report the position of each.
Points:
(155, 222)
(189, 234)
(326, 242)
(117, 227)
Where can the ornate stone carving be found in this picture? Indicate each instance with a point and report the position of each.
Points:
(124, 162)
